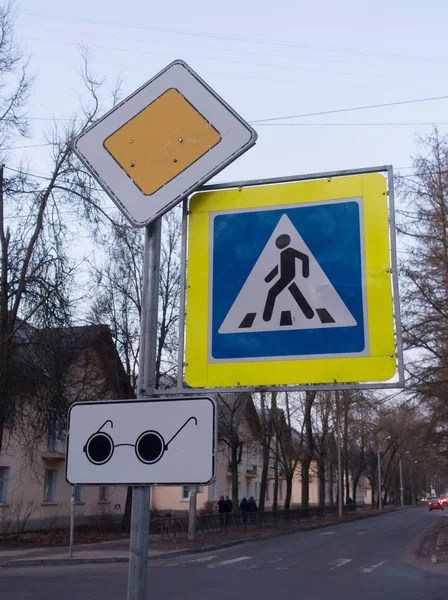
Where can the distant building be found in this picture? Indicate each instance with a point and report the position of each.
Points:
(79, 363)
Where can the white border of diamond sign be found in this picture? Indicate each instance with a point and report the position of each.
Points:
(237, 136)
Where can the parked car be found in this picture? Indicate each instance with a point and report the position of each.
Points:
(435, 504)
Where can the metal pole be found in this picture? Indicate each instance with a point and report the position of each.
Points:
(401, 484)
(180, 352)
(182, 286)
(141, 495)
(72, 522)
(192, 515)
(380, 505)
(338, 435)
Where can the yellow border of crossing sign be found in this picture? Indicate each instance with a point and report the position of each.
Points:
(376, 361)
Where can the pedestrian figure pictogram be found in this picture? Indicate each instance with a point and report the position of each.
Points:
(287, 270)
(286, 289)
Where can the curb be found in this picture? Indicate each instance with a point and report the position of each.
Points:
(36, 562)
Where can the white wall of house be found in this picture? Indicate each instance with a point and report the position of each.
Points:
(36, 495)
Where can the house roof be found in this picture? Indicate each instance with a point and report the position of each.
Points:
(43, 355)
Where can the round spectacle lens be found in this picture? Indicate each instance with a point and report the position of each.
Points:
(150, 447)
(99, 448)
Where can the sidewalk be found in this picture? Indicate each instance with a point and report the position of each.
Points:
(118, 550)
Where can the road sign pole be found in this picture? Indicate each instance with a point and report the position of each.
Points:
(192, 515)
(141, 495)
(72, 522)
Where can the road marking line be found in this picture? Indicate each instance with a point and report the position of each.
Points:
(251, 567)
(327, 533)
(228, 562)
(276, 560)
(372, 567)
(340, 562)
(361, 532)
(195, 560)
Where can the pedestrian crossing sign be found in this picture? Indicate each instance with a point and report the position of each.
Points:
(290, 284)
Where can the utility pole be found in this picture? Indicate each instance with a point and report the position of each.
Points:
(338, 436)
(401, 484)
(141, 495)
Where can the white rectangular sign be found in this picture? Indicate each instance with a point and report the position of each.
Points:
(141, 442)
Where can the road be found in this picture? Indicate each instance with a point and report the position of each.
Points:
(363, 559)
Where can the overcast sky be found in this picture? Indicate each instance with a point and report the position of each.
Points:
(266, 59)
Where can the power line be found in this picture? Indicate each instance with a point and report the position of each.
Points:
(233, 38)
(341, 110)
(315, 114)
(225, 60)
(223, 49)
(392, 124)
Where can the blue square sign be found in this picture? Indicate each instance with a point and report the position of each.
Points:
(288, 282)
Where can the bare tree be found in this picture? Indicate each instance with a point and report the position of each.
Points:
(37, 274)
(310, 397)
(117, 289)
(236, 412)
(15, 82)
(288, 442)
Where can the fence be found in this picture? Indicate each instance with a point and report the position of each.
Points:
(178, 526)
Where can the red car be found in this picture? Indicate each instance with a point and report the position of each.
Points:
(436, 504)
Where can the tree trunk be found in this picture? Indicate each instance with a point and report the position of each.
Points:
(264, 477)
(306, 482)
(288, 494)
(345, 446)
(321, 476)
(309, 400)
(234, 471)
(331, 484)
(275, 499)
(355, 487)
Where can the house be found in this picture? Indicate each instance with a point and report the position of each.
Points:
(241, 453)
(59, 366)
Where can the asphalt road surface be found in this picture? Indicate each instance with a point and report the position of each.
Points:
(363, 559)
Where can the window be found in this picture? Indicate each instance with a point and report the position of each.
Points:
(268, 485)
(249, 457)
(103, 495)
(256, 494)
(78, 494)
(50, 483)
(365, 493)
(248, 489)
(185, 492)
(54, 443)
(4, 483)
(280, 490)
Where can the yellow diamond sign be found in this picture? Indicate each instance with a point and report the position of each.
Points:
(162, 142)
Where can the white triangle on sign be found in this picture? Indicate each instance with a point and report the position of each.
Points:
(303, 298)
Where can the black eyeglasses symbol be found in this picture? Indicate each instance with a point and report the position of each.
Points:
(149, 447)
